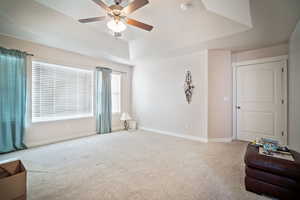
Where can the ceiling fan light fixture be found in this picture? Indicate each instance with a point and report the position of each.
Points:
(116, 26)
(120, 15)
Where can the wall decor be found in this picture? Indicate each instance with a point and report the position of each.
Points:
(188, 86)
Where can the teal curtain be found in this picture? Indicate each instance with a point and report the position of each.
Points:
(12, 99)
(103, 100)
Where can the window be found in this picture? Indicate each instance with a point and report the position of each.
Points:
(116, 92)
(60, 92)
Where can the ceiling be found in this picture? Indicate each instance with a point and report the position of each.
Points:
(236, 25)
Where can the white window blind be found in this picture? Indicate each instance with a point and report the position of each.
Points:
(60, 92)
(116, 92)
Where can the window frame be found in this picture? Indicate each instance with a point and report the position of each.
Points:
(120, 95)
(61, 118)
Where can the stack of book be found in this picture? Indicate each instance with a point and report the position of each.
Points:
(270, 147)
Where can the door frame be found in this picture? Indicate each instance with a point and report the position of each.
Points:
(235, 66)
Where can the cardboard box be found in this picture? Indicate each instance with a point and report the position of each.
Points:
(12, 180)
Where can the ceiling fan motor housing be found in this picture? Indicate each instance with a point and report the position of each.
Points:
(118, 2)
(120, 15)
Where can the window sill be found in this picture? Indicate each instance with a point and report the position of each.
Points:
(62, 119)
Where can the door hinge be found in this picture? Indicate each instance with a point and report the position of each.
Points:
(282, 133)
(282, 69)
(282, 101)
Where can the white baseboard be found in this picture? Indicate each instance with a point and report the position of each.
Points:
(205, 140)
(220, 139)
(58, 140)
(117, 128)
(175, 134)
(30, 144)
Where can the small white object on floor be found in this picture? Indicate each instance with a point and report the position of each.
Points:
(132, 125)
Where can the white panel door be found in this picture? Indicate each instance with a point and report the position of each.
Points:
(260, 101)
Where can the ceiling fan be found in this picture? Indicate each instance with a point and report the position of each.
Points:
(119, 15)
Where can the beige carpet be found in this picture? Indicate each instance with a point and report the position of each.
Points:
(135, 166)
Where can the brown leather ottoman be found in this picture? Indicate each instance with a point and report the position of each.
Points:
(272, 176)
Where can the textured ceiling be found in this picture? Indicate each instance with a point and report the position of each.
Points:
(235, 25)
(166, 16)
(30, 20)
(272, 22)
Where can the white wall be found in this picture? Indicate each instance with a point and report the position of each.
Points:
(49, 132)
(159, 102)
(294, 90)
(272, 51)
(220, 85)
(159, 99)
(219, 94)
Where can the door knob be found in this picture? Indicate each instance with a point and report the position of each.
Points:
(238, 107)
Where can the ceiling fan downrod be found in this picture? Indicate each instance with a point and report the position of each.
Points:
(118, 2)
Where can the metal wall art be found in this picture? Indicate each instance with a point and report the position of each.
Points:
(188, 86)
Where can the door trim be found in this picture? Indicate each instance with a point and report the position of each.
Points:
(235, 65)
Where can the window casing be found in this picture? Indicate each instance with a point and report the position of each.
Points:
(60, 92)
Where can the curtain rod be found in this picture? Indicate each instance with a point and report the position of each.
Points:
(28, 54)
(115, 70)
(118, 71)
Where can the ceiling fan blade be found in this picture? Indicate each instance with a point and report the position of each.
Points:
(93, 19)
(102, 5)
(134, 6)
(139, 24)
